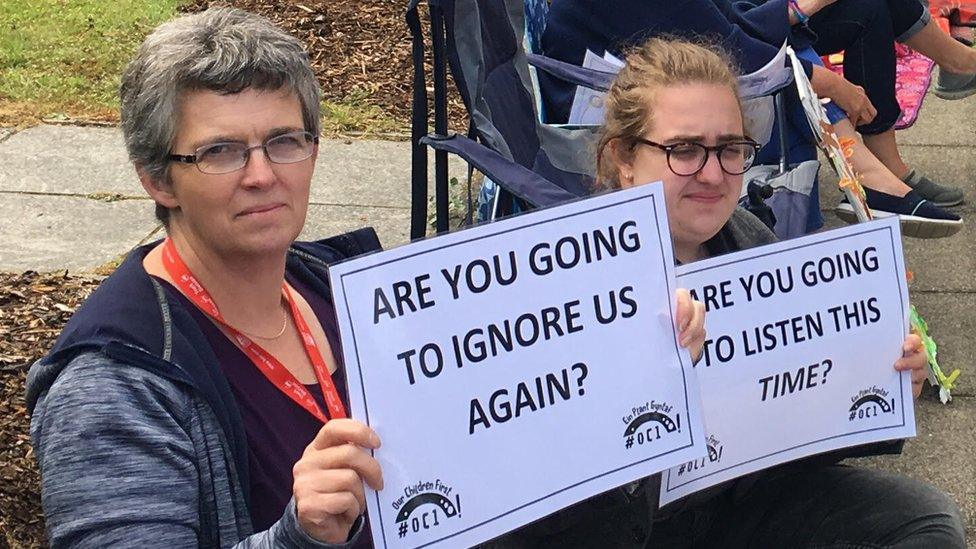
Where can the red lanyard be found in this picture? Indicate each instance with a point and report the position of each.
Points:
(267, 364)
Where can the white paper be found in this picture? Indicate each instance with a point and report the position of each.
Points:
(635, 412)
(772, 76)
(613, 60)
(758, 115)
(850, 393)
(587, 108)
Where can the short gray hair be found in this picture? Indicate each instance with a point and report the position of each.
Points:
(221, 49)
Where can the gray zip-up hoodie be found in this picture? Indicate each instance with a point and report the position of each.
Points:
(135, 430)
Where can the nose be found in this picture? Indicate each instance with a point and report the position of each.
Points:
(711, 172)
(259, 171)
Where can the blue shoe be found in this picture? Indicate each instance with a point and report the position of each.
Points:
(919, 218)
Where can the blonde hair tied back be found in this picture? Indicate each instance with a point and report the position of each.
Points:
(658, 63)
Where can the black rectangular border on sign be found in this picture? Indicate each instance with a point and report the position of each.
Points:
(671, 291)
(901, 390)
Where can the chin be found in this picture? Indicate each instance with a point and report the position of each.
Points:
(269, 242)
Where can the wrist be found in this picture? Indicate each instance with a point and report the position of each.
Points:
(821, 81)
(800, 11)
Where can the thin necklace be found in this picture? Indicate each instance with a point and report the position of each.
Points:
(284, 325)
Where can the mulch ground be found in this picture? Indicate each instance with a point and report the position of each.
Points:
(33, 308)
(359, 49)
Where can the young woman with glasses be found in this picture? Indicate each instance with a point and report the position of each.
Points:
(673, 115)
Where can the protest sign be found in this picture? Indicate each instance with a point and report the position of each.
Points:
(802, 340)
(516, 368)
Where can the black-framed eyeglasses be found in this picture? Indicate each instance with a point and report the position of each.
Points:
(734, 157)
(220, 158)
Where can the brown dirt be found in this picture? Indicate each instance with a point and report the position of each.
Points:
(360, 50)
(33, 309)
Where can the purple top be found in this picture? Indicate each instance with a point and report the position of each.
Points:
(278, 430)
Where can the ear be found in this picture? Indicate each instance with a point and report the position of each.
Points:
(623, 161)
(160, 191)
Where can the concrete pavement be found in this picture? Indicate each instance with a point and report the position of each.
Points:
(70, 200)
(942, 145)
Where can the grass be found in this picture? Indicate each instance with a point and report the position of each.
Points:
(63, 58)
(354, 116)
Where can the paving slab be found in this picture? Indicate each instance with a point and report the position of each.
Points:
(392, 225)
(942, 122)
(80, 161)
(47, 233)
(67, 160)
(948, 164)
(374, 173)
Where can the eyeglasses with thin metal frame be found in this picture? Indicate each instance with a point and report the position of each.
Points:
(734, 157)
(221, 158)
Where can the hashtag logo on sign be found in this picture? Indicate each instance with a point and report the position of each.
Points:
(853, 414)
(630, 442)
(403, 529)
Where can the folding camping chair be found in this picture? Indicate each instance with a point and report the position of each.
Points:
(535, 164)
(483, 42)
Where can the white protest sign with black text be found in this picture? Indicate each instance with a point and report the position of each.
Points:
(518, 367)
(802, 340)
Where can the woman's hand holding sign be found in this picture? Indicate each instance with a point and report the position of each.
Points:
(691, 324)
(914, 358)
(329, 477)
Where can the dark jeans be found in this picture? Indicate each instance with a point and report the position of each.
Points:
(834, 506)
(866, 31)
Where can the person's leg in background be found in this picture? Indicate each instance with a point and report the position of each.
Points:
(892, 196)
(957, 61)
(886, 193)
(957, 79)
(920, 217)
(866, 31)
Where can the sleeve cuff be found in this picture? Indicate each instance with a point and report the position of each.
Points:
(295, 537)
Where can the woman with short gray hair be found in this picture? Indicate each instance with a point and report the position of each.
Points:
(222, 50)
(177, 406)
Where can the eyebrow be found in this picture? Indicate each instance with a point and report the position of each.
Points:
(223, 138)
(724, 138)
